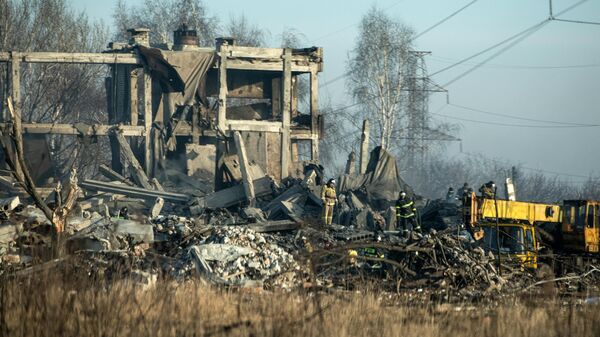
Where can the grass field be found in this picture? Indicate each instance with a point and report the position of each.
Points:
(53, 306)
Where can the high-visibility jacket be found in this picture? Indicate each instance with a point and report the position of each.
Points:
(486, 191)
(405, 208)
(328, 196)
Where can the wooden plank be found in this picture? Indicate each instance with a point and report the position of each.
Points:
(286, 113)
(133, 101)
(276, 97)
(148, 123)
(127, 157)
(88, 58)
(273, 166)
(72, 129)
(364, 147)
(222, 113)
(255, 53)
(247, 179)
(250, 64)
(112, 175)
(314, 113)
(252, 125)
(15, 93)
(257, 142)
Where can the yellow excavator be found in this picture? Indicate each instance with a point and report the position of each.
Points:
(514, 229)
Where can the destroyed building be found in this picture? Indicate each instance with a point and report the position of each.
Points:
(176, 109)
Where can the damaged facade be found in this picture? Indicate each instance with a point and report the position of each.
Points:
(175, 110)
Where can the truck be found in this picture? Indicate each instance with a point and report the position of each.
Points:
(560, 237)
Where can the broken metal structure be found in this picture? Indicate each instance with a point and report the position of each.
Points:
(207, 103)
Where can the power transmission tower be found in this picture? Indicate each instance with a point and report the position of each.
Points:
(420, 134)
(417, 108)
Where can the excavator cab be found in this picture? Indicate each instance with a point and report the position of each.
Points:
(517, 242)
(580, 227)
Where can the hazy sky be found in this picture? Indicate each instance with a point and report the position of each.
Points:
(553, 75)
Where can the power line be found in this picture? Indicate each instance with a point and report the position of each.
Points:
(515, 36)
(444, 20)
(578, 21)
(515, 125)
(339, 77)
(496, 54)
(512, 37)
(518, 117)
(515, 66)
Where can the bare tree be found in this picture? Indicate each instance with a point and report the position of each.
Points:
(376, 72)
(55, 93)
(245, 33)
(162, 17)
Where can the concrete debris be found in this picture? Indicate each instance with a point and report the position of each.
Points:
(9, 204)
(273, 240)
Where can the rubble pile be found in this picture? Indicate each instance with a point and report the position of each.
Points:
(441, 260)
(273, 241)
(239, 254)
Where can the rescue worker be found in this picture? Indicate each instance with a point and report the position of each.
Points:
(487, 190)
(464, 190)
(450, 196)
(405, 214)
(329, 198)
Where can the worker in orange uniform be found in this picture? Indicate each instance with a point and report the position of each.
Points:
(329, 198)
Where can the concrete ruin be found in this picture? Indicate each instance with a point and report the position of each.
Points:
(231, 112)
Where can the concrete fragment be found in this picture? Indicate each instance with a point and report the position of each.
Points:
(8, 233)
(157, 207)
(222, 252)
(135, 230)
(254, 214)
(9, 204)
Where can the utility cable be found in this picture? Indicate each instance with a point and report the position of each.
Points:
(518, 117)
(515, 36)
(496, 54)
(516, 125)
(517, 66)
(444, 20)
(494, 46)
(578, 21)
(339, 77)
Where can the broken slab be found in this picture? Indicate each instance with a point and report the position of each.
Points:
(288, 209)
(8, 204)
(234, 195)
(134, 192)
(157, 207)
(253, 214)
(274, 226)
(135, 230)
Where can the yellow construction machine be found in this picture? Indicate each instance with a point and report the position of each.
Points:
(514, 229)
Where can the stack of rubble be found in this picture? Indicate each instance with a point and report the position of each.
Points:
(131, 227)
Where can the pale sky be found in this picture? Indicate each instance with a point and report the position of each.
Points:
(553, 75)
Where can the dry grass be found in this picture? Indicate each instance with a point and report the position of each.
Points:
(68, 306)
